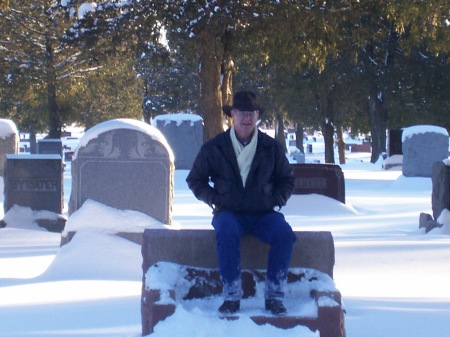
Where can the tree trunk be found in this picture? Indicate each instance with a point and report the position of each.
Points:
(55, 123)
(279, 135)
(326, 110)
(227, 70)
(146, 108)
(341, 145)
(299, 138)
(33, 144)
(328, 137)
(378, 122)
(210, 93)
(4, 4)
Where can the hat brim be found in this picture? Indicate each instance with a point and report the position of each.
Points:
(227, 110)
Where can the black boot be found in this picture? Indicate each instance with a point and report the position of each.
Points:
(230, 307)
(276, 307)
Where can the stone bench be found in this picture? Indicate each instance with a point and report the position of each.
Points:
(194, 252)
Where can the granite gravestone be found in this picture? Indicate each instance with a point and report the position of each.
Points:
(324, 179)
(68, 155)
(184, 133)
(422, 146)
(394, 142)
(440, 197)
(34, 181)
(9, 141)
(299, 157)
(125, 164)
(50, 146)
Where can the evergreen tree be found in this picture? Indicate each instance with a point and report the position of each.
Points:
(206, 28)
(33, 55)
(388, 33)
(110, 92)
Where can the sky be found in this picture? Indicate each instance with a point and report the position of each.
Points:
(394, 277)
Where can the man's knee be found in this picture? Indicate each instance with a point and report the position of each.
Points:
(287, 233)
(280, 226)
(225, 223)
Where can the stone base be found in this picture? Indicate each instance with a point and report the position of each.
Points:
(329, 321)
(195, 251)
(424, 218)
(154, 312)
(53, 225)
(136, 237)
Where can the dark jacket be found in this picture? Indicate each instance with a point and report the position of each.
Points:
(215, 178)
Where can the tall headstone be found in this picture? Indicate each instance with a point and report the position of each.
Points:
(440, 197)
(324, 179)
(395, 142)
(9, 141)
(34, 181)
(184, 133)
(423, 145)
(125, 164)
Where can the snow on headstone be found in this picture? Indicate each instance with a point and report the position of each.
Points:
(422, 146)
(124, 164)
(9, 141)
(184, 133)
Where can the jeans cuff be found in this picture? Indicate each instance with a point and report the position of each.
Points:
(232, 291)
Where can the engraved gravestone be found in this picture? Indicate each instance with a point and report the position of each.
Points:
(124, 164)
(34, 181)
(184, 133)
(324, 179)
(9, 141)
(422, 146)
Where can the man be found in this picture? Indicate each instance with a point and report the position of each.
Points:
(244, 175)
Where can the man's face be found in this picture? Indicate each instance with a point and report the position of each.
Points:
(244, 123)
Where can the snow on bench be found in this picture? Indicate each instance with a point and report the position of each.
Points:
(180, 268)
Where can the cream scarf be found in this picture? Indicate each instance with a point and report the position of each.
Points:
(244, 154)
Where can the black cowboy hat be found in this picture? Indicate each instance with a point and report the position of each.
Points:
(244, 101)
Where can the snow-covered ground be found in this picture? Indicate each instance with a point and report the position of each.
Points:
(394, 278)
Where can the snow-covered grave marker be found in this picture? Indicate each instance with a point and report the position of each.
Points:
(9, 141)
(184, 133)
(35, 181)
(422, 146)
(124, 164)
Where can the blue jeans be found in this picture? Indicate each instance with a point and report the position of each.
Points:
(270, 228)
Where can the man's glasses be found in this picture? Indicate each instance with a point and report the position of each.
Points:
(243, 114)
